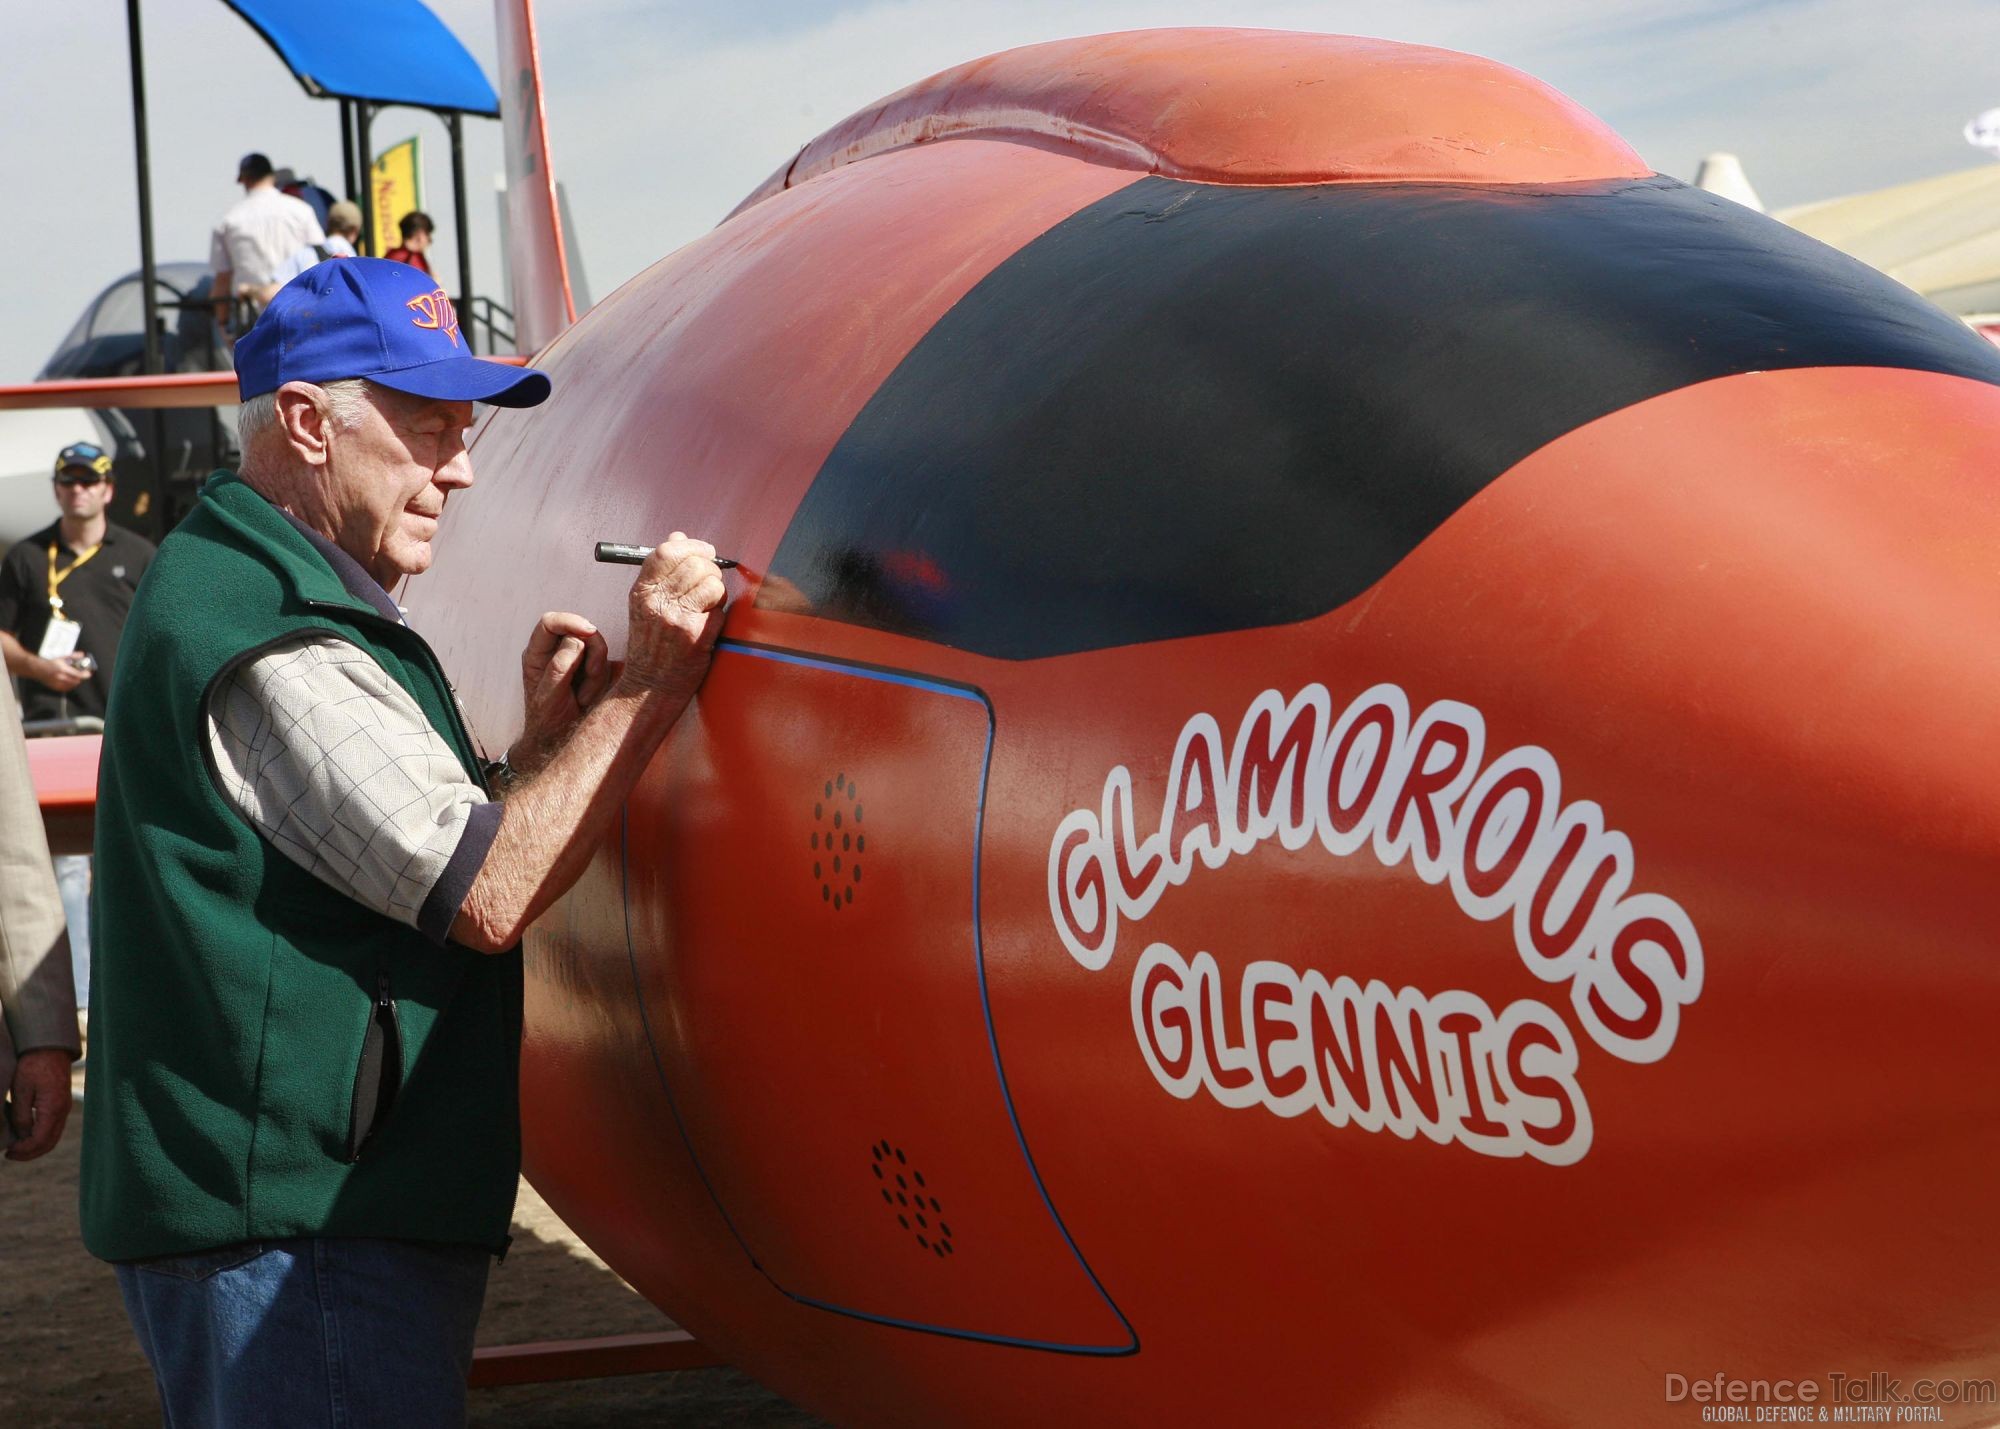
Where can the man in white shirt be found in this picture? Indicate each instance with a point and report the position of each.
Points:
(343, 224)
(257, 235)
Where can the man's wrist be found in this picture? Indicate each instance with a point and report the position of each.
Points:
(627, 707)
(661, 693)
(529, 755)
(68, 1054)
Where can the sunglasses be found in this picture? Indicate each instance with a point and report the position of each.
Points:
(80, 478)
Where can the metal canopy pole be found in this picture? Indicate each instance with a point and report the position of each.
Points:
(147, 275)
(154, 499)
(458, 219)
(365, 160)
(347, 149)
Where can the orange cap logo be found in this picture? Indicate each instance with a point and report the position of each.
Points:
(434, 310)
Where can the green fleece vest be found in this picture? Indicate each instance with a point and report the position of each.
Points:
(240, 1011)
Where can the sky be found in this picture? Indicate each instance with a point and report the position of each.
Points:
(664, 113)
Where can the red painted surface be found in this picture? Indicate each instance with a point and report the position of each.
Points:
(1764, 686)
(1243, 107)
(879, 1184)
(1746, 1200)
(64, 771)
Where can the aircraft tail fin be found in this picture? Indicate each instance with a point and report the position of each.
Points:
(537, 257)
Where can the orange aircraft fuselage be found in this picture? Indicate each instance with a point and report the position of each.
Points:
(1350, 780)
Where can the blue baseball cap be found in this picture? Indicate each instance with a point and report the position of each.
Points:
(388, 322)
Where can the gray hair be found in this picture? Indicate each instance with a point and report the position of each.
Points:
(345, 400)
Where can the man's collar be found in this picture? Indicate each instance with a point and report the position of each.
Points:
(53, 532)
(110, 537)
(357, 581)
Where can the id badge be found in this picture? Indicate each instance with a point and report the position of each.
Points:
(60, 638)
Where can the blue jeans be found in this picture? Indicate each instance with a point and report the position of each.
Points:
(73, 883)
(346, 1334)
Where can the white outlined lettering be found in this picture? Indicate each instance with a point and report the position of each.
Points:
(1446, 1068)
(1401, 783)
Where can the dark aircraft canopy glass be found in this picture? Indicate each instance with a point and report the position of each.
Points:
(381, 51)
(1194, 408)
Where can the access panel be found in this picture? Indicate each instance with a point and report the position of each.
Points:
(802, 873)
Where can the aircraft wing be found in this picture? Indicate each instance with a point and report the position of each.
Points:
(171, 389)
(64, 771)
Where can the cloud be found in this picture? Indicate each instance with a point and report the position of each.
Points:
(664, 115)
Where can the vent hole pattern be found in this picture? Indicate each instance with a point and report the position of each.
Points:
(832, 835)
(917, 1209)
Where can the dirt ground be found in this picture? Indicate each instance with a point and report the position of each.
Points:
(71, 1362)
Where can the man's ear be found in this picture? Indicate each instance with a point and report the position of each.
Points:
(303, 419)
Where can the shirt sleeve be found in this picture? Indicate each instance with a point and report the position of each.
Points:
(37, 1000)
(335, 764)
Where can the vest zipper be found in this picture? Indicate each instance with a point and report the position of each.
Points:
(379, 1075)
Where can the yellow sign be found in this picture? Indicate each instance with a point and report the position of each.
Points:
(398, 177)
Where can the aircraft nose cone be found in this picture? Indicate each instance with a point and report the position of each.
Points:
(1758, 622)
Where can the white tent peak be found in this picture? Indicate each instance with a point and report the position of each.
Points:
(1722, 173)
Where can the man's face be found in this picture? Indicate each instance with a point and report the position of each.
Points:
(387, 479)
(79, 501)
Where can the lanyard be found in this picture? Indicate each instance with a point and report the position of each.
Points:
(55, 581)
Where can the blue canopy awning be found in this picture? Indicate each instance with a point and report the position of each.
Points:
(381, 51)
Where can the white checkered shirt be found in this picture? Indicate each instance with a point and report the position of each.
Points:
(333, 762)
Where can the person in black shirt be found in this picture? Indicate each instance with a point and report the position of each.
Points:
(79, 574)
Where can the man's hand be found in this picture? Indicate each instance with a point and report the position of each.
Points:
(40, 1102)
(59, 675)
(675, 612)
(564, 669)
(551, 823)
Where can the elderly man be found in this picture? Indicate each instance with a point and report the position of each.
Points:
(37, 1000)
(303, 1141)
